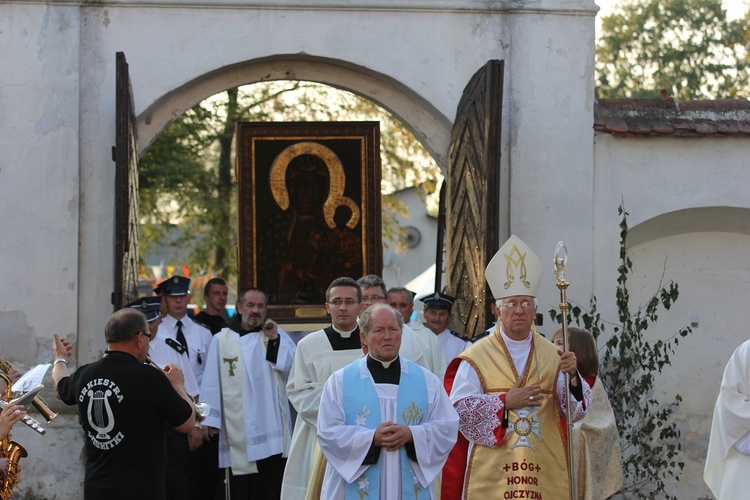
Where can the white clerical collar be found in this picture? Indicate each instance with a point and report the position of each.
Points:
(344, 334)
(517, 343)
(385, 364)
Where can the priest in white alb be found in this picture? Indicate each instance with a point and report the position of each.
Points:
(728, 459)
(385, 424)
(318, 355)
(245, 385)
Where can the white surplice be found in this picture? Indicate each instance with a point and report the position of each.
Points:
(726, 471)
(314, 362)
(413, 349)
(264, 403)
(452, 345)
(433, 350)
(345, 445)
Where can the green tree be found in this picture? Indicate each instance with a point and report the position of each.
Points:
(687, 47)
(186, 176)
(649, 438)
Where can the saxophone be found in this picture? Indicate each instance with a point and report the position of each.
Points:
(10, 450)
(40, 404)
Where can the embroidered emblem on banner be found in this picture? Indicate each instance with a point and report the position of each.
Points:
(232, 364)
(515, 259)
(413, 415)
(526, 424)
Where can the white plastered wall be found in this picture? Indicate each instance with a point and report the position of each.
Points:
(57, 61)
(689, 222)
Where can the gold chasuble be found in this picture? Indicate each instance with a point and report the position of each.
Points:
(531, 460)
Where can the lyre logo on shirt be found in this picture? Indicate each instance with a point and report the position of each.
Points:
(102, 393)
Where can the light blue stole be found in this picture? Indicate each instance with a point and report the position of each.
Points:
(362, 407)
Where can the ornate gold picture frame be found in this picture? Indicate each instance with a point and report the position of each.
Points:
(309, 211)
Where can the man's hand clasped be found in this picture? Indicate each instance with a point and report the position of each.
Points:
(392, 436)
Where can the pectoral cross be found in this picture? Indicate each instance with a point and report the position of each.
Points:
(232, 364)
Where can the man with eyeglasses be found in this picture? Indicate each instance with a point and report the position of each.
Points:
(413, 347)
(124, 406)
(318, 355)
(510, 395)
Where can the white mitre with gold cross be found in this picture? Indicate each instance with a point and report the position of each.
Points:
(514, 270)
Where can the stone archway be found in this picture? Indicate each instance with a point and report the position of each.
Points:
(429, 126)
(715, 219)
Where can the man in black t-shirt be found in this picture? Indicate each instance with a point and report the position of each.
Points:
(124, 407)
(215, 295)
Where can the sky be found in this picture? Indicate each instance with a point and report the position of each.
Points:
(735, 8)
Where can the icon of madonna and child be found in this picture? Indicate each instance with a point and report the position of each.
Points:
(309, 232)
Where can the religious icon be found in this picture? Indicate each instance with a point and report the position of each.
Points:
(309, 210)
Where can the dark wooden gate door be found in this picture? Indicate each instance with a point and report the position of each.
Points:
(125, 156)
(472, 197)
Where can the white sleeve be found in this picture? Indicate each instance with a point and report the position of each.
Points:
(344, 446)
(434, 439)
(211, 385)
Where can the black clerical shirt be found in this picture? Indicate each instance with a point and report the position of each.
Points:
(272, 349)
(382, 375)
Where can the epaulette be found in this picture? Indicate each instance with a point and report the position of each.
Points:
(201, 324)
(176, 346)
(482, 335)
(456, 334)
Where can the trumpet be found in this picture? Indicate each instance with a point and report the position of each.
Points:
(26, 419)
(34, 424)
(202, 409)
(39, 403)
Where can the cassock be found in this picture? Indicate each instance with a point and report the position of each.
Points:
(728, 458)
(318, 355)
(402, 392)
(248, 365)
(522, 452)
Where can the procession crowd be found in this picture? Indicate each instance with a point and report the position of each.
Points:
(372, 405)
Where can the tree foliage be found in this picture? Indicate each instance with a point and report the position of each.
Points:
(687, 47)
(187, 188)
(649, 437)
